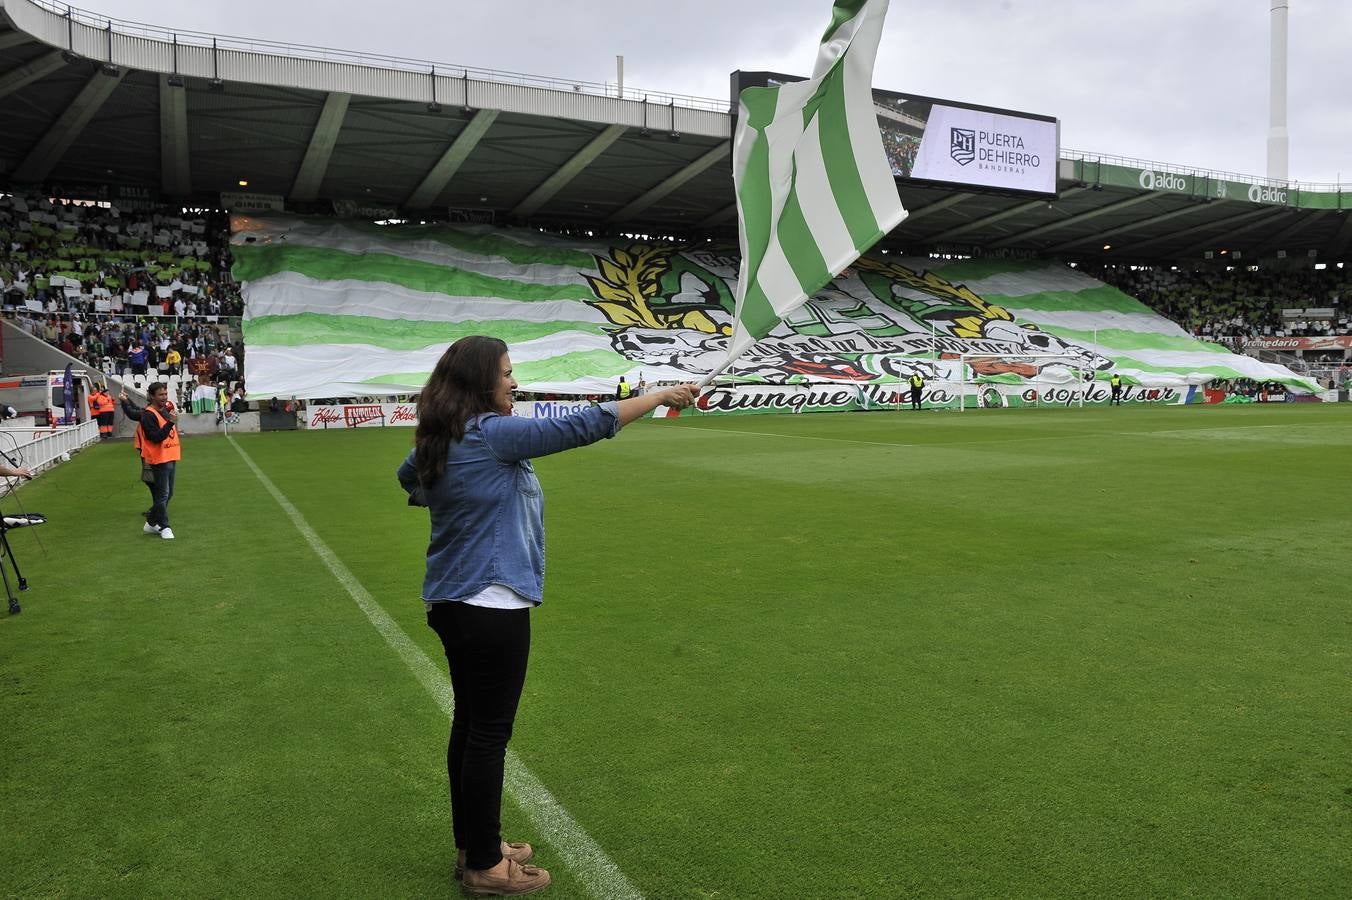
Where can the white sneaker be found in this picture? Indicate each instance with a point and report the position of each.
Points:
(167, 533)
(150, 529)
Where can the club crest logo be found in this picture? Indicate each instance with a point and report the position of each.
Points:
(669, 307)
(962, 145)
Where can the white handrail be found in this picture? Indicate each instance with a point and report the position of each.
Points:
(328, 54)
(41, 448)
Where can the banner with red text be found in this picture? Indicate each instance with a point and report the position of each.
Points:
(822, 397)
(380, 415)
(1322, 342)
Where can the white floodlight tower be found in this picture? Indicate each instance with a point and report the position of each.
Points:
(1278, 142)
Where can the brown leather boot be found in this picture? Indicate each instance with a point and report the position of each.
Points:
(517, 850)
(518, 880)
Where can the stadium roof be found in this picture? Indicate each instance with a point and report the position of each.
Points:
(140, 113)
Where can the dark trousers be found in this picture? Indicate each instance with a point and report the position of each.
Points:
(161, 491)
(105, 425)
(1117, 397)
(915, 398)
(487, 651)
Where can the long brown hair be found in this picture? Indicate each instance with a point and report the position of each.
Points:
(461, 386)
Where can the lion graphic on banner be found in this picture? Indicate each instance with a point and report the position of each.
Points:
(671, 307)
(955, 310)
(673, 311)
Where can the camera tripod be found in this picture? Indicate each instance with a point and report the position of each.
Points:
(7, 524)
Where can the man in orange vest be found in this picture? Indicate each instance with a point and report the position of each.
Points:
(157, 439)
(101, 408)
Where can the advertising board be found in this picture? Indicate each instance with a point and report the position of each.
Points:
(950, 143)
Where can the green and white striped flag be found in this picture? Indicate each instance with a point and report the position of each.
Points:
(814, 188)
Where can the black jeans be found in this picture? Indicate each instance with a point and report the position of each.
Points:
(161, 492)
(487, 651)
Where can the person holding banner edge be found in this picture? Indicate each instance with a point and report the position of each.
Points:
(471, 467)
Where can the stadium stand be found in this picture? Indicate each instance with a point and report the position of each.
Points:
(93, 281)
(1242, 303)
(97, 259)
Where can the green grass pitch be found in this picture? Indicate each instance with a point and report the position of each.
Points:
(1037, 653)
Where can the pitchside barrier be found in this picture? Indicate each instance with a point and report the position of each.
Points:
(40, 448)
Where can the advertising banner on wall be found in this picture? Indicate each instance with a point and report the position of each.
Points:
(804, 398)
(973, 147)
(248, 201)
(361, 415)
(1323, 342)
(1208, 185)
(390, 415)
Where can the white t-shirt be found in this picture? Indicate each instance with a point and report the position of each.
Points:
(495, 596)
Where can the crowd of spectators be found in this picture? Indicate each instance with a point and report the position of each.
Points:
(1259, 391)
(901, 149)
(93, 259)
(143, 345)
(1241, 303)
(145, 292)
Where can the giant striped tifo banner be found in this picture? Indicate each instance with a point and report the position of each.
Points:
(340, 308)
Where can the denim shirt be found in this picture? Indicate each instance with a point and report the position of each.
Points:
(487, 509)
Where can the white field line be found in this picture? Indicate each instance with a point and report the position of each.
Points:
(597, 872)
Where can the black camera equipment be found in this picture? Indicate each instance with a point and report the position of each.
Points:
(8, 523)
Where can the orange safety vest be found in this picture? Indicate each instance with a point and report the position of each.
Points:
(151, 452)
(100, 402)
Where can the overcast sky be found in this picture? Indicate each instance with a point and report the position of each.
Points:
(1178, 81)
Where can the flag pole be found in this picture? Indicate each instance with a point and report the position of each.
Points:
(723, 367)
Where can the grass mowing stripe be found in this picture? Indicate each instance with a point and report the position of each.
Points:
(804, 437)
(596, 870)
(815, 437)
(431, 678)
(967, 443)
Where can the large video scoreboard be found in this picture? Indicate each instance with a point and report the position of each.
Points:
(952, 144)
